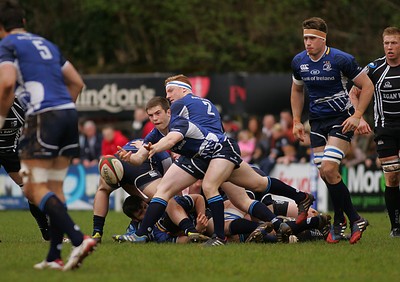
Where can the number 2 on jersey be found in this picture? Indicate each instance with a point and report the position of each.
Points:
(209, 108)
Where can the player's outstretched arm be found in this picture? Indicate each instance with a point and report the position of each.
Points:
(136, 159)
(165, 143)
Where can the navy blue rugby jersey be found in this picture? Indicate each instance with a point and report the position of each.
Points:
(386, 80)
(161, 161)
(40, 86)
(197, 142)
(199, 110)
(325, 81)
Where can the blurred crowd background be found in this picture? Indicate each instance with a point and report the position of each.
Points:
(203, 37)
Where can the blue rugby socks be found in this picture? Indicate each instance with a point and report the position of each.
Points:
(242, 226)
(59, 217)
(41, 220)
(98, 224)
(187, 226)
(216, 205)
(280, 188)
(57, 237)
(335, 193)
(154, 212)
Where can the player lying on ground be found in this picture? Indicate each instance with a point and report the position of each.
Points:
(183, 221)
(248, 228)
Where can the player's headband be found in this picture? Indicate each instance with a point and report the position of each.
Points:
(314, 33)
(179, 84)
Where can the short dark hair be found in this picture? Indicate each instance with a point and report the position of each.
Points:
(158, 101)
(315, 23)
(132, 204)
(11, 15)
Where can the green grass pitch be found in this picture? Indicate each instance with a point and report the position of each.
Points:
(374, 258)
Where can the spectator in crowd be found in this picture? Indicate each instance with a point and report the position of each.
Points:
(283, 151)
(254, 126)
(91, 150)
(355, 155)
(230, 126)
(81, 121)
(141, 125)
(303, 151)
(247, 144)
(268, 123)
(111, 139)
(371, 160)
(265, 142)
(286, 121)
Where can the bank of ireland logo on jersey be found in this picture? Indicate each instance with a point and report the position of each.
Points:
(327, 66)
(200, 85)
(315, 72)
(304, 68)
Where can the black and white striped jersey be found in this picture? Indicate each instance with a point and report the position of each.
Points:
(386, 80)
(11, 131)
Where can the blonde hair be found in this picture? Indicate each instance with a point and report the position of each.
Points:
(391, 30)
(179, 77)
(277, 127)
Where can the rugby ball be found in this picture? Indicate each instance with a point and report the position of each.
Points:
(111, 169)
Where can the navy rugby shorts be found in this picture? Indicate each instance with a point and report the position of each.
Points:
(50, 134)
(322, 128)
(139, 176)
